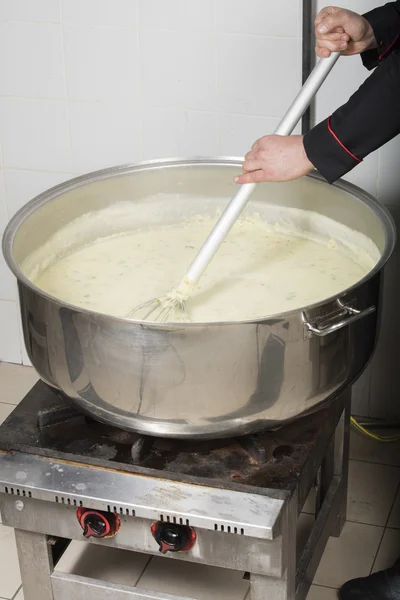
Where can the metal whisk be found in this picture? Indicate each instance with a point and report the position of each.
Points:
(173, 305)
(162, 308)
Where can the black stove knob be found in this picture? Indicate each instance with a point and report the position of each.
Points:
(98, 524)
(173, 538)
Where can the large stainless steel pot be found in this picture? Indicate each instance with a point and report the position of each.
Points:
(197, 380)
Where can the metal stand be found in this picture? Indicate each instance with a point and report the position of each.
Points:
(283, 588)
(42, 529)
(36, 565)
(331, 502)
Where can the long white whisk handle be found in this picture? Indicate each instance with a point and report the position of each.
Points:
(242, 196)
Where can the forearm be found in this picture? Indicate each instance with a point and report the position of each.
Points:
(367, 121)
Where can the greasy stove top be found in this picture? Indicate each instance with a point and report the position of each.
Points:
(46, 424)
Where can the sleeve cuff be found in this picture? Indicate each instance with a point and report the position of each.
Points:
(370, 59)
(327, 153)
(385, 22)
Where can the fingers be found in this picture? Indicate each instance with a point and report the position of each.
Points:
(250, 165)
(338, 41)
(251, 161)
(330, 21)
(337, 37)
(253, 177)
(325, 12)
(322, 52)
(337, 45)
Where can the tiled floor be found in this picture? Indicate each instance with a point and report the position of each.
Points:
(370, 540)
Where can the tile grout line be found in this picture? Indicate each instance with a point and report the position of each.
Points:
(143, 571)
(139, 78)
(3, 168)
(385, 527)
(216, 74)
(113, 101)
(360, 522)
(365, 524)
(66, 87)
(356, 460)
(377, 552)
(327, 587)
(82, 24)
(378, 464)
(38, 170)
(17, 592)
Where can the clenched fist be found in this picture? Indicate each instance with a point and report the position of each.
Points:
(338, 29)
(275, 158)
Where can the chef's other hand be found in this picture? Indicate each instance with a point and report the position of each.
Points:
(275, 158)
(339, 29)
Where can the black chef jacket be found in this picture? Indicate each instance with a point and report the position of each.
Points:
(372, 115)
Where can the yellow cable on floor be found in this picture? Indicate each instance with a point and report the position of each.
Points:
(378, 438)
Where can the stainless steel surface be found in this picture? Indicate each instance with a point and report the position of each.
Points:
(311, 86)
(214, 548)
(36, 565)
(331, 502)
(244, 193)
(283, 587)
(66, 587)
(210, 508)
(44, 527)
(350, 315)
(196, 380)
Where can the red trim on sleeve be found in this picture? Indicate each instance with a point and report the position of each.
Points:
(340, 143)
(382, 56)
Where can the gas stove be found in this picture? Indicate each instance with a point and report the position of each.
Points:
(228, 503)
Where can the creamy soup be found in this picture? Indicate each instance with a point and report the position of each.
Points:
(261, 268)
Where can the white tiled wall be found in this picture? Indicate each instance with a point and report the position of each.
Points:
(378, 391)
(86, 84)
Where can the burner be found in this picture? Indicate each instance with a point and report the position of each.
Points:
(234, 459)
(140, 449)
(45, 423)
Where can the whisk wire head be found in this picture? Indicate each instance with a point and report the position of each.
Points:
(162, 309)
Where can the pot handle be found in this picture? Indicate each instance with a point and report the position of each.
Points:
(348, 316)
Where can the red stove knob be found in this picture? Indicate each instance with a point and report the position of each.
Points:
(98, 524)
(173, 538)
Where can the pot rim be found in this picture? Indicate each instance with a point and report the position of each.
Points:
(30, 207)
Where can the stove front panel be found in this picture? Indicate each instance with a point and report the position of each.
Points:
(222, 549)
(127, 494)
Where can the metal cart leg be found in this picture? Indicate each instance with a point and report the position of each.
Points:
(341, 465)
(331, 500)
(284, 588)
(336, 466)
(36, 564)
(262, 588)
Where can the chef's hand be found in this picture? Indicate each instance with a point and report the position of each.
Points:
(275, 158)
(338, 29)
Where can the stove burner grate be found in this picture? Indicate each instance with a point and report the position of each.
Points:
(45, 423)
